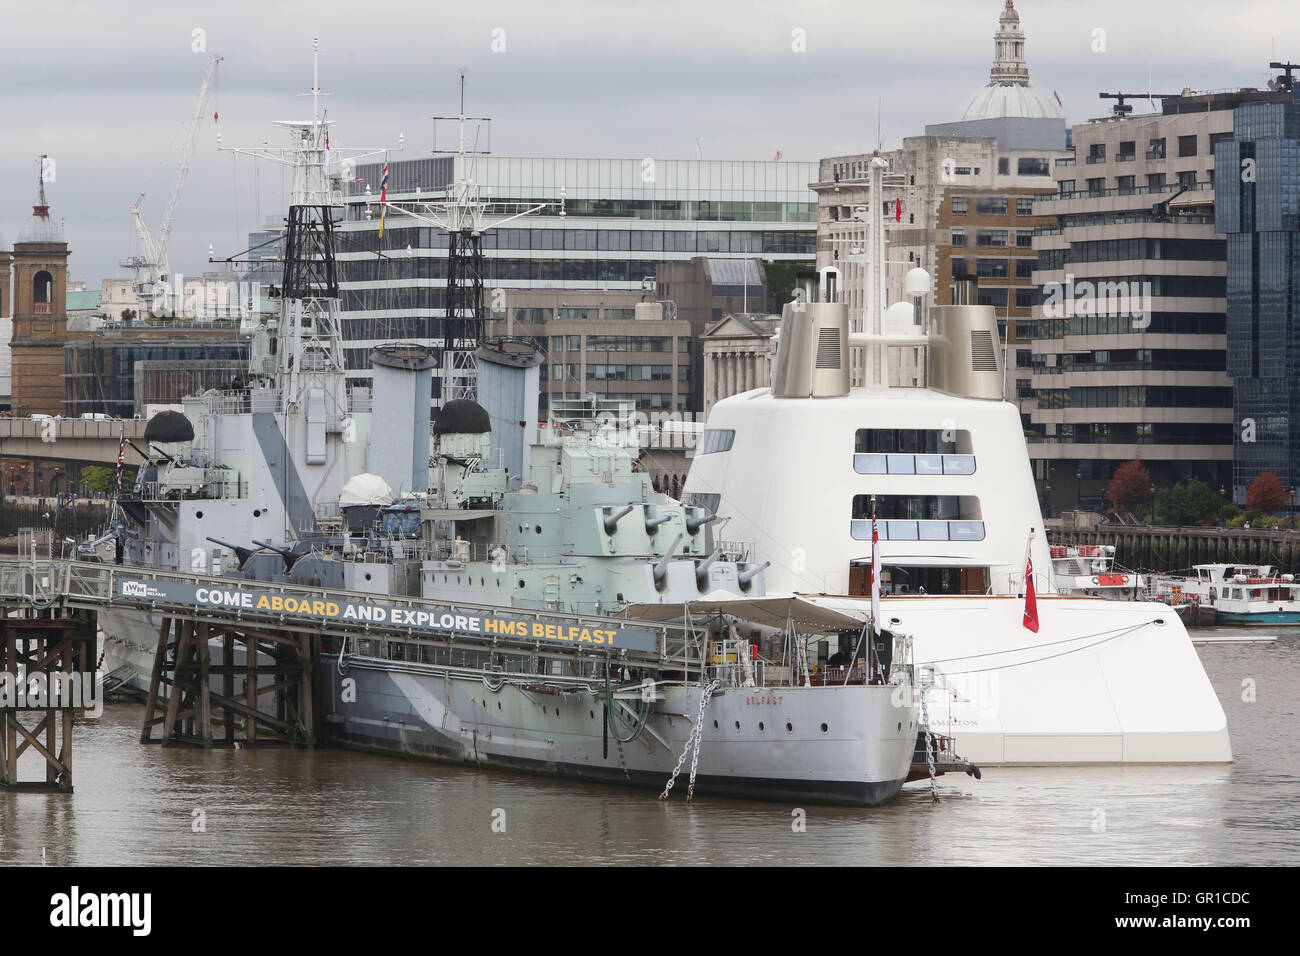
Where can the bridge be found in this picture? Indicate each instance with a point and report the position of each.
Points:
(86, 441)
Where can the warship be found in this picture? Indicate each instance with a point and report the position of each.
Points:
(527, 536)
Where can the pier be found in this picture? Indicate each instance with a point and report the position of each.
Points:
(1176, 549)
(272, 640)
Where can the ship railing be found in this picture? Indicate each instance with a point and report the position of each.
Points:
(88, 584)
(223, 487)
(737, 551)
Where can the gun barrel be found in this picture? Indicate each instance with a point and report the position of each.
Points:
(693, 525)
(652, 524)
(612, 520)
(748, 575)
(702, 569)
(661, 566)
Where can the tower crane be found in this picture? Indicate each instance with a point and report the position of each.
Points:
(151, 264)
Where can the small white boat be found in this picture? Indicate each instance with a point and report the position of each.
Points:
(1253, 594)
(1089, 569)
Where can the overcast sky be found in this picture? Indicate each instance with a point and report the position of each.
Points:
(106, 87)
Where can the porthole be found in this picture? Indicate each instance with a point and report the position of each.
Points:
(591, 714)
(761, 728)
(737, 725)
(198, 514)
(367, 575)
(498, 705)
(538, 529)
(485, 705)
(715, 725)
(480, 582)
(257, 512)
(825, 728)
(900, 725)
(789, 727)
(521, 582)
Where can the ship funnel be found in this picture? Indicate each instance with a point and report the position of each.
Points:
(243, 554)
(693, 525)
(402, 389)
(612, 520)
(744, 577)
(509, 384)
(702, 569)
(966, 353)
(812, 352)
(289, 558)
(661, 566)
(652, 524)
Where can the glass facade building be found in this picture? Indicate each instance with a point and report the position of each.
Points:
(1258, 208)
(609, 224)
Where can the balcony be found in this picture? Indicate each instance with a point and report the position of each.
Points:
(41, 308)
(1156, 152)
(1094, 160)
(1125, 157)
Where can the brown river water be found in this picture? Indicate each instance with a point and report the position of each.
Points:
(137, 804)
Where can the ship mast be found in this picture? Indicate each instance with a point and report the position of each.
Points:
(464, 214)
(310, 348)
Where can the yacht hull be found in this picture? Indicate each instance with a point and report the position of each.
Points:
(1101, 682)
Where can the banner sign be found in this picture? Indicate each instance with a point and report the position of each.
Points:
(325, 608)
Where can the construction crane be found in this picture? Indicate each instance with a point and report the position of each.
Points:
(151, 264)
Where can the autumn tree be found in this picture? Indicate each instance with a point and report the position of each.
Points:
(1266, 493)
(1129, 486)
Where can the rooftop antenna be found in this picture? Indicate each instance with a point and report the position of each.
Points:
(699, 150)
(1123, 109)
(1285, 82)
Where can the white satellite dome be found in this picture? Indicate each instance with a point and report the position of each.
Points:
(1008, 92)
(365, 489)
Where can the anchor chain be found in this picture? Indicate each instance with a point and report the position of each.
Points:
(692, 745)
(929, 747)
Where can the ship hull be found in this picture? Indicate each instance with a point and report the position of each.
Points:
(1260, 618)
(861, 759)
(1101, 682)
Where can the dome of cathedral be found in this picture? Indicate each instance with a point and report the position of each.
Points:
(1008, 92)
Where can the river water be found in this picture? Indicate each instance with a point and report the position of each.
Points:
(138, 804)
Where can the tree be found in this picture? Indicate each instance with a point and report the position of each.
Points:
(1266, 493)
(1129, 486)
(781, 278)
(1188, 503)
(103, 478)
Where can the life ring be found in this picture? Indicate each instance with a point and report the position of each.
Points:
(1096, 580)
(1123, 578)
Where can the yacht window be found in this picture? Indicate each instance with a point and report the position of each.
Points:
(911, 441)
(930, 507)
(716, 440)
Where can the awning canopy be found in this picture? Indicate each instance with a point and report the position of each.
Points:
(773, 610)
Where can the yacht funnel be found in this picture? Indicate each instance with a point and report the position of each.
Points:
(812, 352)
(967, 351)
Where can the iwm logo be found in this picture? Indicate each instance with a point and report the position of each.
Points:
(1122, 298)
(135, 589)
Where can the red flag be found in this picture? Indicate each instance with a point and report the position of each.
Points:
(875, 572)
(1031, 600)
(898, 210)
